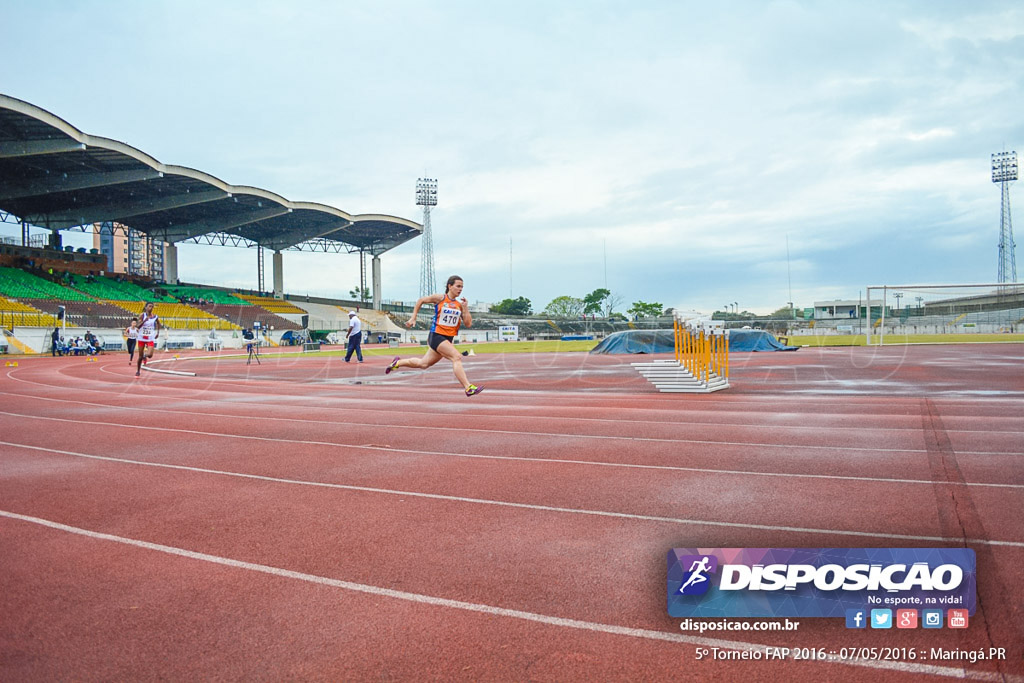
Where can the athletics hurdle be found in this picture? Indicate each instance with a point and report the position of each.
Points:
(701, 363)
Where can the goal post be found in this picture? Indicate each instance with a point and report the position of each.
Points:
(932, 309)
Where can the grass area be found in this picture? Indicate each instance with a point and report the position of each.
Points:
(555, 345)
(858, 339)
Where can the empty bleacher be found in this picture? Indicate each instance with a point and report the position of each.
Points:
(17, 313)
(216, 296)
(114, 290)
(244, 314)
(180, 316)
(86, 313)
(20, 284)
(273, 305)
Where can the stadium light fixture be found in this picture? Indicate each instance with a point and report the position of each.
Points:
(426, 196)
(1004, 167)
(1004, 172)
(426, 192)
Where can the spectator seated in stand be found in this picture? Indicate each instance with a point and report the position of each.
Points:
(92, 343)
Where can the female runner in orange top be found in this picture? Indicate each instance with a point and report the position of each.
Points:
(449, 313)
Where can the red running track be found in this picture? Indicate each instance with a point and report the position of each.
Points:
(311, 519)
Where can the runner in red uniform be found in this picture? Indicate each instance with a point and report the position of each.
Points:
(449, 314)
(149, 331)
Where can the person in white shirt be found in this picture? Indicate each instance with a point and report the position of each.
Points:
(354, 336)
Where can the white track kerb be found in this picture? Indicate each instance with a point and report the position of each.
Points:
(701, 363)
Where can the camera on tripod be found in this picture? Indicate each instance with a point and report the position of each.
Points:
(252, 343)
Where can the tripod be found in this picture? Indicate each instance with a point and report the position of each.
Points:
(254, 353)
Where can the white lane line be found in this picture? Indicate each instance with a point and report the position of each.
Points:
(737, 401)
(515, 458)
(461, 430)
(434, 414)
(524, 506)
(492, 610)
(180, 373)
(599, 420)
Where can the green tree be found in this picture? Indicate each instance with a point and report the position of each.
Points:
(784, 313)
(592, 303)
(518, 306)
(360, 293)
(564, 307)
(645, 310)
(610, 304)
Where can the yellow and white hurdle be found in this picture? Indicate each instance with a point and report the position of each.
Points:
(701, 363)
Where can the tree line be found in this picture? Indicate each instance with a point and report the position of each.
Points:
(601, 302)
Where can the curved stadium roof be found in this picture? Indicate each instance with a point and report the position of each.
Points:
(55, 176)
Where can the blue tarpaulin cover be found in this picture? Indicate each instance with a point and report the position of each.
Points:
(662, 341)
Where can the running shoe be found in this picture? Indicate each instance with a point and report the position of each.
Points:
(136, 373)
(394, 364)
(473, 390)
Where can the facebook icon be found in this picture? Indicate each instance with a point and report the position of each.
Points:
(856, 618)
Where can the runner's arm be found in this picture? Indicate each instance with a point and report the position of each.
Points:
(432, 299)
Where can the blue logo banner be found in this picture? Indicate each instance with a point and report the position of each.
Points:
(818, 582)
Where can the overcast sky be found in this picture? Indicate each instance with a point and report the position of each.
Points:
(664, 150)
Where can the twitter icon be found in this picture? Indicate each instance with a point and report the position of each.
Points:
(881, 618)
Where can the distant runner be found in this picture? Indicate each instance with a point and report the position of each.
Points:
(149, 331)
(131, 335)
(449, 314)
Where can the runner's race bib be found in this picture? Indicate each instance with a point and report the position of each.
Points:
(449, 316)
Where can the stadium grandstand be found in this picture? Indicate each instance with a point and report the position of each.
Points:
(56, 178)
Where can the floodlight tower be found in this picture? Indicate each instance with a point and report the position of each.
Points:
(426, 196)
(1004, 172)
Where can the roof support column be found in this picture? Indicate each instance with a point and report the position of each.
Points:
(278, 275)
(171, 263)
(375, 268)
(259, 269)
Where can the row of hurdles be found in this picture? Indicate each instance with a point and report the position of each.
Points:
(701, 363)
